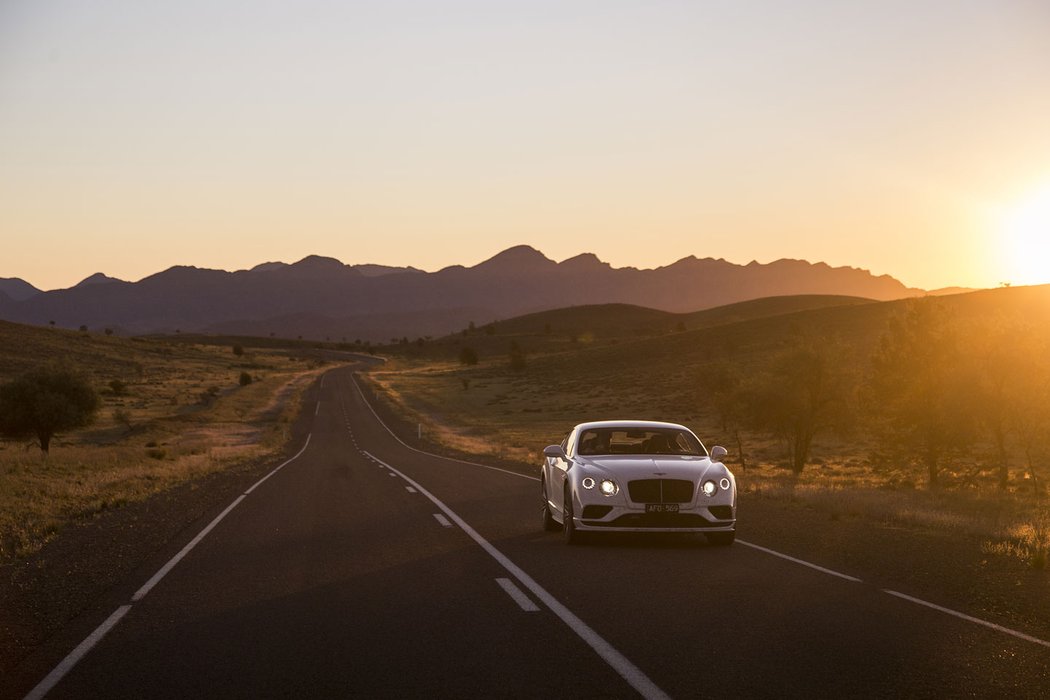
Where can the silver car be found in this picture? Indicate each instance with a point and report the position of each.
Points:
(637, 476)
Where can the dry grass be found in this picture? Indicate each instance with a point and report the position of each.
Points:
(181, 414)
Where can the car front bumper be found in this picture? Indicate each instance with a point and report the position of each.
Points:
(635, 519)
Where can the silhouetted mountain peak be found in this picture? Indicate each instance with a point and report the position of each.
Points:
(268, 266)
(369, 270)
(584, 262)
(97, 278)
(17, 289)
(182, 274)
(521, 257)
(318, 262)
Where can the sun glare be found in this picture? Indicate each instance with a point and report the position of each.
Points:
(1026, 239)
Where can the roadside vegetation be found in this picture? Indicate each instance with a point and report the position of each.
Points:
(926, 413)
(165, 413)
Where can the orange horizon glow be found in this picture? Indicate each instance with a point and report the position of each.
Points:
(1026, 237)
(430, 133)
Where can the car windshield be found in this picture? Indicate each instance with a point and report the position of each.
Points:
(617, 441)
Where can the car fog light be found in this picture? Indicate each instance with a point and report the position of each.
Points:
(709, 488)
(588, 482)
(609, 488)
(724, 483)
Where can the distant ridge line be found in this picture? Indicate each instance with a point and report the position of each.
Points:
(322, 298)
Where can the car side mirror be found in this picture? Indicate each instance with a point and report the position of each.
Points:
(718, 452)
(554, 452)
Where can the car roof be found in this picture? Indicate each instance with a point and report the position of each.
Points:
(630, 425)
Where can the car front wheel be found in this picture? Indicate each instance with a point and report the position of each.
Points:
(549, 523)
(569, 527)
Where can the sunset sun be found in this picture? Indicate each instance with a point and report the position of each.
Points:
(1026, 238)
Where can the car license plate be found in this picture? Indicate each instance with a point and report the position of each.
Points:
(661, 507)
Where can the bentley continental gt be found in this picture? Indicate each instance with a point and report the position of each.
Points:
(637, 476)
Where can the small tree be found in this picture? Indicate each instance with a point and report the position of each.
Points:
(722, 388)
(238, 350)
(1028, 402)
(916, 392)
(245, 379)
(468, 356)
(517, 357)
(44, 402)
(802, 394)
(123, 416)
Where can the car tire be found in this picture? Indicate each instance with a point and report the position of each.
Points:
(549, 523)
(720, 539)
(569, 527)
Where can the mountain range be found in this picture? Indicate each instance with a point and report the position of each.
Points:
(320, 297)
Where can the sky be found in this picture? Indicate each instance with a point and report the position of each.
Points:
(906, 138)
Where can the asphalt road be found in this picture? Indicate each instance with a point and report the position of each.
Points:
(365, 568)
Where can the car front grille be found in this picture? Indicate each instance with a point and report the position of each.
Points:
(661, 491)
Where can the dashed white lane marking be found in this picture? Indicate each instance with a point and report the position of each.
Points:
(67, 664)
(800, 561)
(442, 519)
(393, 474)
(410, 489)
(969, 618)
(634, 676)
(318, 409)
(517, 595)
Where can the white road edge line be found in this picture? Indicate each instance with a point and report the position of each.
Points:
(148, 586)
(903, 596)
(517, 595)
(66, 665)
(163, 571)
(282, 466)
(634, 676)
(969, 618)
(428, 454)
(442, 519)
(799, 561)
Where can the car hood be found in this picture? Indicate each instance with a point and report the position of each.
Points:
(652, 467)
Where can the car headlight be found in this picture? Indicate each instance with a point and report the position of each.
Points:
(709, 488)
(587, 483)
(609, 488)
